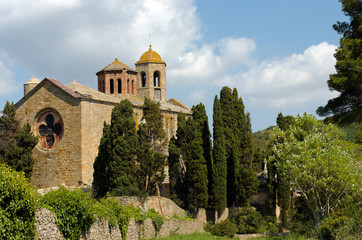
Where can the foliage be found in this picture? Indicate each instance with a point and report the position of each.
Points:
(157, 219)
(224, 228)
(219, 158)
(18, 202)
(201, 119)
(320, 165)
(176, 163)
(9, 128)
(16, 144)
(196, 170)
(114, 167)
(284, 122)
(238, 147)
(101, 163)
(347, 107)
(73, 210)
(153, 141)
(247, 219)
(19, 155)
(187, 164)
(194, 236)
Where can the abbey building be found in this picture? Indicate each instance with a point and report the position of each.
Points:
(68, 119)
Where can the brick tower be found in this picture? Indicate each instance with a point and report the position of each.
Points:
(151, 78)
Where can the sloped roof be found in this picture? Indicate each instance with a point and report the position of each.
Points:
(85, 93)
(117, 66)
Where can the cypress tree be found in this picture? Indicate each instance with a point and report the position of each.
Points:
(124, 147)
(196, 171)
(219, 159)
(114, 167)
(101, 163)
(200, 117)
(238, 146)
(176, 162)
(153, 140)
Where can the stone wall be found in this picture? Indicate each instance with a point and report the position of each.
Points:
(46, 228)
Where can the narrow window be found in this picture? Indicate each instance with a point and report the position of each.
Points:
(132, 87)
(111, 86)
(156, 79)
(128, 86)
(143, 79)
(119, 81)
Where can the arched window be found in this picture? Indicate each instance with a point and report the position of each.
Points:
(111, 87)
(156, 79)
(128, 86)
(143, 79)
(132, 87)
(119, 81)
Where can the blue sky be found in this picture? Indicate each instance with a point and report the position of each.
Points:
(278, 54)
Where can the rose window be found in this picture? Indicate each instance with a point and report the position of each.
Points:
(50, 129)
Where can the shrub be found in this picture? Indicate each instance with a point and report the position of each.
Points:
(224, 228)
(18, 202)
(73, 209)
(157, 219)
(247, 219)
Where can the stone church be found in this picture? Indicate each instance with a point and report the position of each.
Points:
(68, 119)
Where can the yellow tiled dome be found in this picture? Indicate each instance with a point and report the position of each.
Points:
(150, 56)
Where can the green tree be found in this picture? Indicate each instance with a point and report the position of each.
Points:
(18, 203)
(347, 107)
(117, 154)
(101, 163)
(9, 127)
(153, 141)
(176, 162)
(19, 155)
(219, 158)
(320, 165)
(284, 122)
(200, 117)
(196, 170)
(238, 147)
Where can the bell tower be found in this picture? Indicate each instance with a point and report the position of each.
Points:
(151, 78)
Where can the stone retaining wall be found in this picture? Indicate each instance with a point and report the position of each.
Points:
(46, 228)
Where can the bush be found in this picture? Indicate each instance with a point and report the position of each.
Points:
(247, 219)
(73, 209)
(157, 219)
(224, 228)
(18, 202)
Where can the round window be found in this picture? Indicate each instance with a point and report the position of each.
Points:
(49, 129)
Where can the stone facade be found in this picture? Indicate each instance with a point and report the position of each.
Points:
(68, 119)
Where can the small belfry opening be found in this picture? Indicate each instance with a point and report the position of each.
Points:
(119, 83)
(156, 78)
(111, 86)
(143, 79)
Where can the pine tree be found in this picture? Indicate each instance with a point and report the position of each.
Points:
(153, 140)
(200, 117)
(219, 160)
(101, 163)
(19, 156)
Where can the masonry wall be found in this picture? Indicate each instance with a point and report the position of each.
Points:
(46, 228)
(62, 163)
(92, 120)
